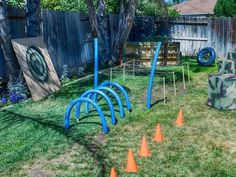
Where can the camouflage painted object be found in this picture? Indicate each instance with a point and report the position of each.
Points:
(226, 67)
(232, 56)
(222, 91)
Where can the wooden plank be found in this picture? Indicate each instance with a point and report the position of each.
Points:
(39, 71)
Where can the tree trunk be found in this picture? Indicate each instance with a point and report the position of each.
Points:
(126, 18)
(33, 18)
(5, 40)
(99, 26)
(110, 49)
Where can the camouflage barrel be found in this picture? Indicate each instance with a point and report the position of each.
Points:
(226, 67)
(222, 91)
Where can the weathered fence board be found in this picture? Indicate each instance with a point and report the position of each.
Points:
(222, 32)
(67, 35)
(17, 22)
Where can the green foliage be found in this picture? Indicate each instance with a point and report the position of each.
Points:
(65, 5)
(145, 7)
(173, 12)
(150, 8)
(16, 3)
(225, 8)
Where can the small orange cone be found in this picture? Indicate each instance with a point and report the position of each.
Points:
(131, 166)
(144, 151)
(113, 172)
(180, 118)
(158, 135)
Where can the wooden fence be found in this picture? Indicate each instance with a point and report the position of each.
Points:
(196, 33)
(17, 22)
(67, 35)
(191, 33)
(68, 39)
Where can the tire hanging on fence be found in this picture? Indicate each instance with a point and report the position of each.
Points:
(206, 52)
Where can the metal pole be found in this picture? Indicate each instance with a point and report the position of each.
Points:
(183, 77)
(164, 89)
(174, 83)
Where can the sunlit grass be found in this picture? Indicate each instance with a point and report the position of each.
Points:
(34, 141)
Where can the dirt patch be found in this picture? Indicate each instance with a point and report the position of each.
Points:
(231, 146)
(39, 169)
(41, 173)
(69, 161)
(100, 138)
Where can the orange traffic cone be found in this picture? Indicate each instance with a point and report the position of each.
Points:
(158, 135)
(180, 118)
(144, 151)
(113, 172)
(131, 166)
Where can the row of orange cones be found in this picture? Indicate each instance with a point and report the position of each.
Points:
(131, 166)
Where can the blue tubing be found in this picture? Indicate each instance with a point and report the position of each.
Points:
(118, 99)
(123, 91)
(88, 94)
(149, 95)
(204, 51)
(81, 100)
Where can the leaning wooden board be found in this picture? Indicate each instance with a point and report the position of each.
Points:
(37, 67)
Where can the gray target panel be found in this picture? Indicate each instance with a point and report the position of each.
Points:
(37, 67)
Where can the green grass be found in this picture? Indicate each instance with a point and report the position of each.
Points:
(34, 141)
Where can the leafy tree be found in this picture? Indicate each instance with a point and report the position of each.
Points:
(16, 3)
(152, 7)
(145, 7)
(65, 5)
(225, 8)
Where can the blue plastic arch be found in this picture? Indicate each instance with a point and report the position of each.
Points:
(117, 97)
(108, 100)
(81, 100)
(119, 87)
(149, 95)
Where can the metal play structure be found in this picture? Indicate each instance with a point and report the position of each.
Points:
(150, 85)
(90, 97)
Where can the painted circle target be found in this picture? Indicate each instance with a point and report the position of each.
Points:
(37, 64)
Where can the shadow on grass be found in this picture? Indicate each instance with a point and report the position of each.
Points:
(90, 144)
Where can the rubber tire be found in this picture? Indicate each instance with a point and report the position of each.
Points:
(204, 51)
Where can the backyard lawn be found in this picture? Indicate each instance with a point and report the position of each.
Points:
(35, 143)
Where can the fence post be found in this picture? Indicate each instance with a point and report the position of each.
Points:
(183, 77)
(164, 89)
(110, 73)
(174, 83)
(188, 73)
(123, 72)
(133, 67)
